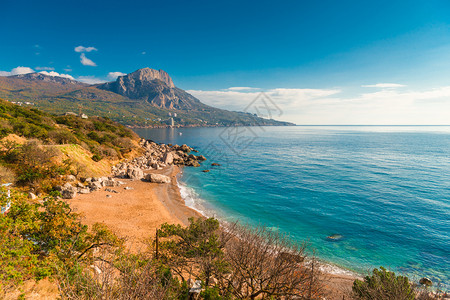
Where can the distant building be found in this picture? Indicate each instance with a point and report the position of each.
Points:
(172, 123)
(84, 116)
(69, 113)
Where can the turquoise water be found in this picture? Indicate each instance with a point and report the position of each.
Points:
(386, 190)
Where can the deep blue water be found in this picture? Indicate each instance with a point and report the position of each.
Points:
(386, 190)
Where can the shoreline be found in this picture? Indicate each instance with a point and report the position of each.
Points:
(140, 207)
(338, 281)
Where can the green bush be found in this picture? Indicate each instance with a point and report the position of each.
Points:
(383, 284)
(96, 157)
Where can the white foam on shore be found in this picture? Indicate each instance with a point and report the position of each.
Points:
(191, 198)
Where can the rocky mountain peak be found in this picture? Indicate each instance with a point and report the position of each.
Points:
(147, 74)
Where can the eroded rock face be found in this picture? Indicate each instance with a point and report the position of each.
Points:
(157, 178)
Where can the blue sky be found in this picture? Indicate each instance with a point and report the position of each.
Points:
(336, 52)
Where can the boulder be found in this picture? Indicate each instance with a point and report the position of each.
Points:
(157, 178)
(84, 190)
(192, 163)
(71, 178)
(201, 157)
(32, 196)
(110, 183)
(215, 165)
(135, 173)
(426, 281)
(69, 191)
(185, 148)
(95, 186)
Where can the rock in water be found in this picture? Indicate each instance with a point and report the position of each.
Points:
(201, 157)
(426, 281)
(215, 165)
(205, 171)
(157, 178)
(335, 237)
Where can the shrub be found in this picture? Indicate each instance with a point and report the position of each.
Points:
(6, 175)
(383, 284)
(96, 158)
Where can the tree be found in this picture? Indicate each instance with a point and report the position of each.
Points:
(265, 264)
(196, 250)
(383, 284)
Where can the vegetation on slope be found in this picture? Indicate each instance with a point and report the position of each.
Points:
(34, 158)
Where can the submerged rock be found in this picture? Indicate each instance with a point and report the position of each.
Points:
(215, 165)
(205, 171)
(426, 281)
(335, 237)
(201, 157)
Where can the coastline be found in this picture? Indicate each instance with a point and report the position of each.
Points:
(338, 281)
(140, 207)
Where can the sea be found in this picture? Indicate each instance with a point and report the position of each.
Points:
(382, 192)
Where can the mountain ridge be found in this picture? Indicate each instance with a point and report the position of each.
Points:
(143, 98)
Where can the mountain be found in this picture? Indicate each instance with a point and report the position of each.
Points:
(47, 78)
(146, 97)
(155, 87)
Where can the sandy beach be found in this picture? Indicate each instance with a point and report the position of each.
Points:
(138, 209)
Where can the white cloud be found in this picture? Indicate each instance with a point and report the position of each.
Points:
(333, 106)
(55, 74)
(114, 75)
(85, 49)
(17, 71)
(86, 61)
(45, 68)
(241, 88)
(90, 79)
(384, 85)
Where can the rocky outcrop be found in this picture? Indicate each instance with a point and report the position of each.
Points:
(155, 87)
(157, 178)
(156, 157)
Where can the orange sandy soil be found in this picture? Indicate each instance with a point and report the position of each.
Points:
(136, 214)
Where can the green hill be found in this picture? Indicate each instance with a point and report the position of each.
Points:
(143, 98)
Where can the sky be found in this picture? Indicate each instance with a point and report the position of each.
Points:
(321, 62)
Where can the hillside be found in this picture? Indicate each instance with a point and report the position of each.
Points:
(145, 97)
(36, 146)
